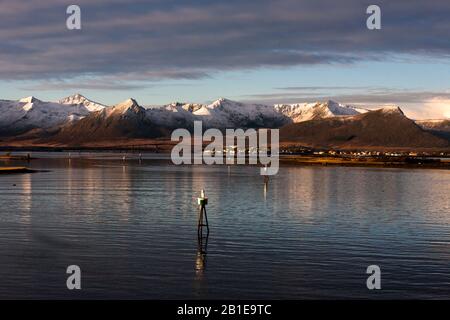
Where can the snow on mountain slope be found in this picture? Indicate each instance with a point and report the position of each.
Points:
(124, 120)
(82, 100)
(191, 107)
(29, 99)
(311, 111)
(11, 111)
(29, 113)
(385, 127)
(174, 115)
(435, 124)
(391, 109)
(128, 108)
(224, 113)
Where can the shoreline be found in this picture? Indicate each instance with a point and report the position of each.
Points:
(12, 170)
(411, 162)
(167, 147)
(375, 162)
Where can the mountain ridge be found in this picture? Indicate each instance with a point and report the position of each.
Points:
(124, 120)
(76, 119)
(386, 127)
(78, 98)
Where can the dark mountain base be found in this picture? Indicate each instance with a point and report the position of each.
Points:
(381, 129)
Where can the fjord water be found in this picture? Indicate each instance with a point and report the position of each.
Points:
(131, 227)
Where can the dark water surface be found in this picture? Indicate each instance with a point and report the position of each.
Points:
(131, 227)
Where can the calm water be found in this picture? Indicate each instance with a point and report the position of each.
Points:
(131, 227)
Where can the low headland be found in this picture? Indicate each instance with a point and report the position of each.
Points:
(10, 170)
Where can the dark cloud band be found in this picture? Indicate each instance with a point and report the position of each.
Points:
(197, 38)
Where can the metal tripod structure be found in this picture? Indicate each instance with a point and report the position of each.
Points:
(202, 217)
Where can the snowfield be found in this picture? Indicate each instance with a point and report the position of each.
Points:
(311, 111)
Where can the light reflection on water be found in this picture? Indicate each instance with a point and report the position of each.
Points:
(310, 233)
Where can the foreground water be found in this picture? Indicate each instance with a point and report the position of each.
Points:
(131, 227)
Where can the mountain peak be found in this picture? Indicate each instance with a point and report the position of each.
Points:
(331, 103)
(222, 100)
(176, 104)
(78, 98)
(392, 109)
(73, 99)
(130, 102)
(29, 99)
(129, 105)
(78, 95)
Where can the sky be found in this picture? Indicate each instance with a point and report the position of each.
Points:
(265, 51)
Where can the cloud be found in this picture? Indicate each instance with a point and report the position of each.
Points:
(437, 107)
(142, 39)
(355, 95)
(321, 88)
(86, 85)
(122, 82)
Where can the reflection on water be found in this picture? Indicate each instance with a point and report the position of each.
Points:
(200, 280)
(25, 201)
(200, 261)
(309, 232)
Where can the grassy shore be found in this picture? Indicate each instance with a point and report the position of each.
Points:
(7, 170)
(11, 157)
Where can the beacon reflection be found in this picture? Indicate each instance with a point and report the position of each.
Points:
(200, 261)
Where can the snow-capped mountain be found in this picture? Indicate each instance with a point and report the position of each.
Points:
(435, 124)
(29, 113)
(317, 110)
(77, 120)
(191, 107)
(126, 109)
(79, 99)
(437, 127)
(174, 115)
(224, 113)
(124, 120)
(386, 127)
